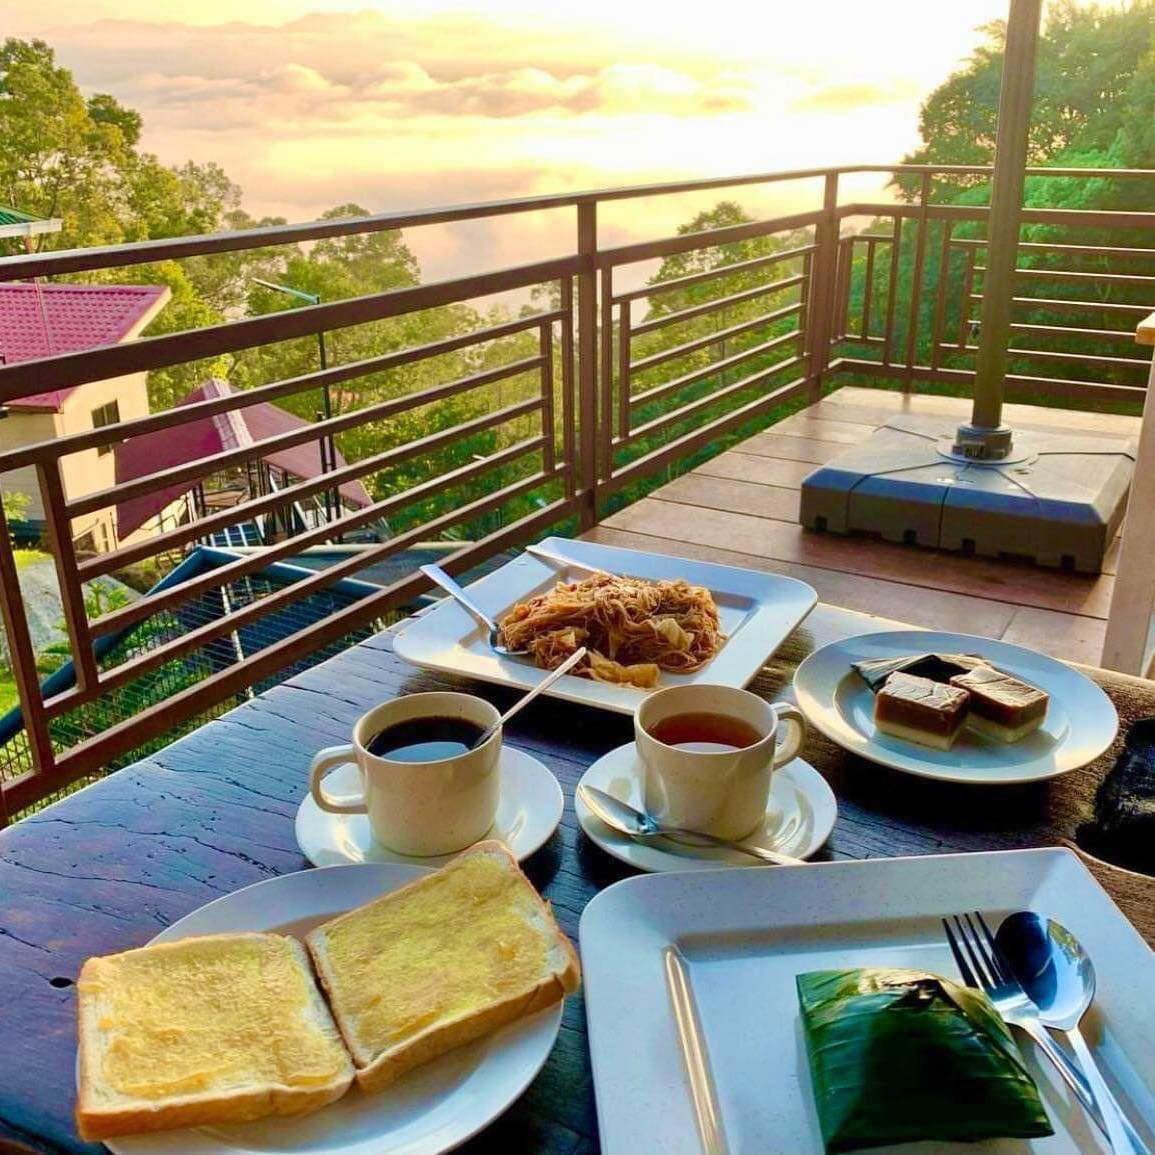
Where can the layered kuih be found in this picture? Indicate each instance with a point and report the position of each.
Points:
(1002, 706)
(920, 710)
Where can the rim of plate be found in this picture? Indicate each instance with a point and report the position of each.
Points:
(817, 709)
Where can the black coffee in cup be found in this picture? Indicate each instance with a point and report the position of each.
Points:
(426, 739)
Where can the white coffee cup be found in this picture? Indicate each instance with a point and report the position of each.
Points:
(721, 790)
(419, 808)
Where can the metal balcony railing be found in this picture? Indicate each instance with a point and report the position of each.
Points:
(573, 406)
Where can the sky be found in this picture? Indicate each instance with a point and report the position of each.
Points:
(311, 103)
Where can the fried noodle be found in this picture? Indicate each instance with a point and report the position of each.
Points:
(633, 628)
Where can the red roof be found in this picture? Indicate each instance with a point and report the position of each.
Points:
(44, 320)
(165, 448)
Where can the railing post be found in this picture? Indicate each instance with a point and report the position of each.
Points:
(820, 313)
(1128, 643)
(23, 660)
(587, 358)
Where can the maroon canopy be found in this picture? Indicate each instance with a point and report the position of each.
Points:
(165, 448)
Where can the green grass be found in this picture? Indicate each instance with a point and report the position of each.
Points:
(25, 557)
(8, 695)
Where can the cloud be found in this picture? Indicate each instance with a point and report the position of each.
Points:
(409, 106)
(838, 97)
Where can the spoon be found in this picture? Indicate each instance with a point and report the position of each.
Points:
(628, 820)
(540, 688)
(1059, 978)
(543, 554)
(437, 575)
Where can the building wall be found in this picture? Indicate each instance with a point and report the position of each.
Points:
(19, 429)
(84, 472)
(90, 470)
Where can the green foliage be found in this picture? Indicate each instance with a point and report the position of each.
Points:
(15, 506)
(1094, 108)
(1093, 67)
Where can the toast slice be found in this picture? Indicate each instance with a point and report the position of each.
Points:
(221, 1029)
(440, 962)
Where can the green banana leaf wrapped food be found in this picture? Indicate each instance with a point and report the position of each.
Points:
(902, 1055)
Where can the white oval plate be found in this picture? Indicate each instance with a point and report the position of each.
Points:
(527, 814)
(428, 1111)
(799, 817)
(1080, 724)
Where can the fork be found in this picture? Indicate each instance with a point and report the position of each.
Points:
(982, 965)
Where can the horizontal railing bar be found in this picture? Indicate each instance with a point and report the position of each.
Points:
(1093, 358)
(688, 242)
(1059, 355)
(716, 304)
(1081, 276)
(105, 563)
(68, 369)
(687, 442)
(1044, 386)
(228, 623)
(653, 290)
(1065, 303)
(243, 398)
(159, 719)
(142, 608)
(980, 169)
(1071, 331)
(203, 466)
(1077, 218)
(692, 407)
(709, 339)
(1048, 246)
(706, 371)
(176, 248)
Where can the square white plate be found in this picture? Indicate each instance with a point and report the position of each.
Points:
(757, 611)
(695, 1034)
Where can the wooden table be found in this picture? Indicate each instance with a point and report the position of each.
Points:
(107, 868)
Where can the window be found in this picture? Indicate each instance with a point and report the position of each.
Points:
(106, 415)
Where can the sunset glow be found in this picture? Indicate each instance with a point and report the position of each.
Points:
(307, 104)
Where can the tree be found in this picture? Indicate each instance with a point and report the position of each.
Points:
(1087, 63)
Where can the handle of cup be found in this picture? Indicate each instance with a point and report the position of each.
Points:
(323, 762)
(796, 721)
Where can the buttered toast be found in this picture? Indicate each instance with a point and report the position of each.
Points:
(444, 960)
(220, 1029)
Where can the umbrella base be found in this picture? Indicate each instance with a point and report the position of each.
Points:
(1058, 499)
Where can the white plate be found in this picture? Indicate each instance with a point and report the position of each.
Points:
(1080, 724)
(428, 1111)
(757, 612)
(527, 814)
(722, 949)
(799, 817)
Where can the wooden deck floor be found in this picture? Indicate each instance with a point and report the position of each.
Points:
(741, 508)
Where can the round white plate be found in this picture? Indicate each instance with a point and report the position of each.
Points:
(527, 814)
(799, 817)
(428, 1111)
(1080, 723)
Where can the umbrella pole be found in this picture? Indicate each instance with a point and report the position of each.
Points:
(986, 438)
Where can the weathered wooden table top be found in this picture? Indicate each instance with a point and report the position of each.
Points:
(107, 868)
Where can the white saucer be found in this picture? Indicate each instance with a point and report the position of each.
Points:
(799, 817)
(527, 814)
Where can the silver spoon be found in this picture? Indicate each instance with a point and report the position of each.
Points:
(540, 688)
(438, 576)
(634, 823)
(1059, 979)
(543, 554)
